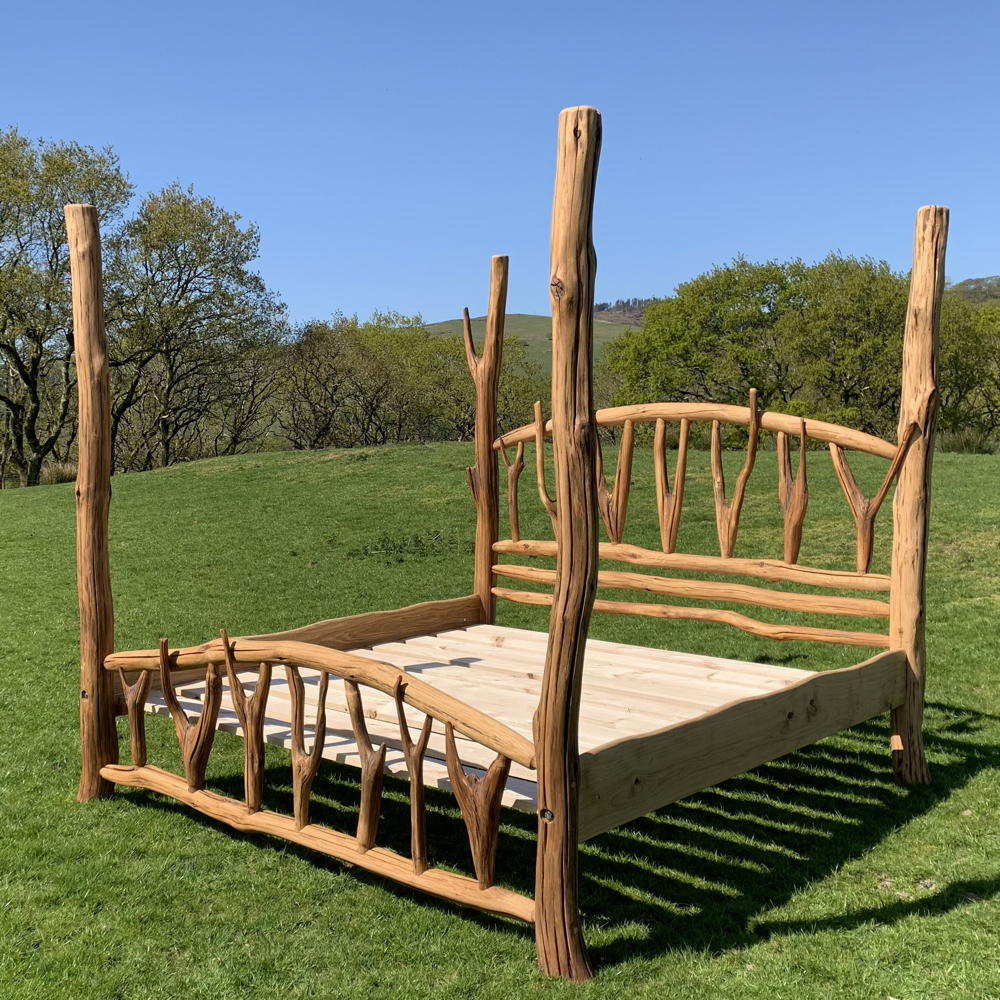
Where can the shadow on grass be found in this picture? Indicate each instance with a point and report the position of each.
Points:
(699, 873)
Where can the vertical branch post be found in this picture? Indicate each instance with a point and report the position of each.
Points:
(485, 371)
(919, 405)
(98, 737)
(558, 935)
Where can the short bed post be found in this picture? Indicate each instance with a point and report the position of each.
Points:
(919, 405)
(485, 370)
(558, 935)
(98, 737)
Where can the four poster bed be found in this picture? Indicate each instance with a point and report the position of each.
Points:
(585, 734)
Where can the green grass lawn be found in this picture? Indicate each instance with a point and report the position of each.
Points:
(814, 876)
(535, 331)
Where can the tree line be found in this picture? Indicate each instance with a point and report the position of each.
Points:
(203, 359)
(822, 340)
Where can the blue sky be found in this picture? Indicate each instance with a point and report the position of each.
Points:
(386, 150)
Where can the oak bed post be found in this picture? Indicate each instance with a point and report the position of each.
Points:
(98, 736)
(910, 508)
(483, 478)
(558, 934)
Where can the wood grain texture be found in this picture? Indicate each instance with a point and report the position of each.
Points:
(727, 511)
(613, 503)
(194, 738)
(543, 491)
(739, 416)
(372, 627)
(711, 590)
(372, 767)
(414, 753)
(558, 934)
(442, 884)
(864, 509)
(98, 736)
(802, 633)
(485, 371)
(669, 502)
(305, 763)
(384, 677)
(793, 494)
(250, 711)
(628, 778)
(764, 569)
(911, 504)
(479, 801)
(135, 694)
(514, 469)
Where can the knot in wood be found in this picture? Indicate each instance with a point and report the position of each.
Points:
(557, 287)
(547, 814)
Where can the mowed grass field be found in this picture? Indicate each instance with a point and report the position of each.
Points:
(535, 331)
(812, 877)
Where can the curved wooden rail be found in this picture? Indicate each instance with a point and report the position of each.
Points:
(740, 416)
(383, 677)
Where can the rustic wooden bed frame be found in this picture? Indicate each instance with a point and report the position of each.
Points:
(499, 720)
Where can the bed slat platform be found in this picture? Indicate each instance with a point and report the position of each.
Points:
(655, 725)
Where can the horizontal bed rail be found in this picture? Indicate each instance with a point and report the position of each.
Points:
(710, 590)
(765, 630)
(739, 416)
(764, 569)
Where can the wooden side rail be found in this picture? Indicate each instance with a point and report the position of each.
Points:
(434, 881)
(372, 627)
(764, 569)
(383, 677)
(630, 777)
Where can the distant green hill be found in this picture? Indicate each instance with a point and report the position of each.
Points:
(978, 289)
(535, 331)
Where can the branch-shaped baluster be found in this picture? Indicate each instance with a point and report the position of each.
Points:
(513, 474)
(543, 493)
(727, 513)
(195, 739)
(864, 508)
(668, 503)
(305, 765)
(613, 503)
(479, 800)
(250, 712)
(793, 496)
(414, 755)
(372, 766)
(135, 702)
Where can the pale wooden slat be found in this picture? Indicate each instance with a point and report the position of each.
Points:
(602, 681)
(506, 634)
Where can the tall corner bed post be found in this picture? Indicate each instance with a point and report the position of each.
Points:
(483, 478)
(98, 736)
(919, 405)
(558, 935)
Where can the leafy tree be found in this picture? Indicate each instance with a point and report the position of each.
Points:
(193, 332)
(37, 376)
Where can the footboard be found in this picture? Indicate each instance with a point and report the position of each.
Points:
(478, 797)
